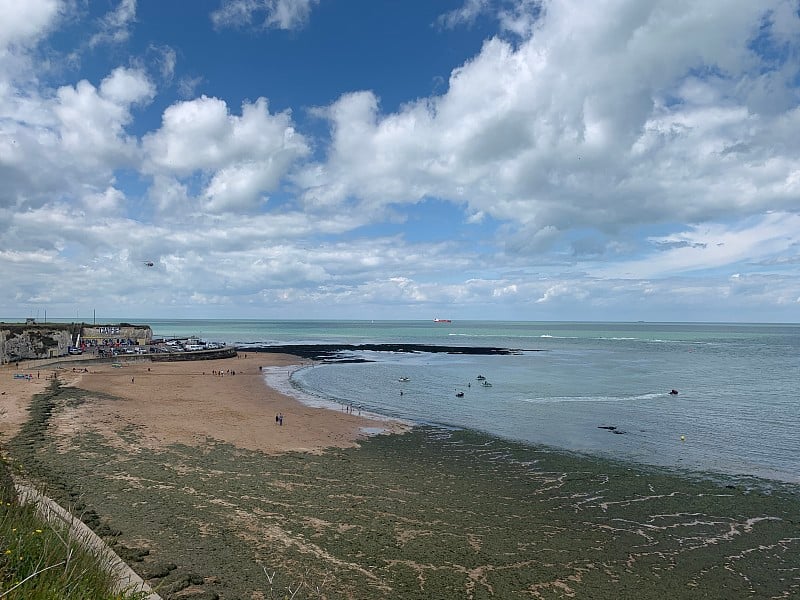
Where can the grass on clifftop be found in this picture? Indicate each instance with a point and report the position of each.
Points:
(41, 562)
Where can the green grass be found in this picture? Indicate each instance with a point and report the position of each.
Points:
(41, 562)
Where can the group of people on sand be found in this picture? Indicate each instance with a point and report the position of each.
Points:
(223, 373)
(279, 419)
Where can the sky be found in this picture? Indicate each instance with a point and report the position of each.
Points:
(614, 160)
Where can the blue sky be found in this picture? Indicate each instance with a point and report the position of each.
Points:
(472, 159)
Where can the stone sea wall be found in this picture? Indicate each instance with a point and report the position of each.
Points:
(227, 352)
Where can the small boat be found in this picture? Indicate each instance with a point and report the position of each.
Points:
(459, 394)
(485, 383)
(481, 378)
(404, 379)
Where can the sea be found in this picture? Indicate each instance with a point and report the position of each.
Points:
(601, 389)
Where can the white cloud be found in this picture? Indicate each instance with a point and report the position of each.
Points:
(244, 156)
(711, 246)
(517, 17)
(24, 22)
(91, 121)
(598, 119)
(52, 147)
(201, 134)
(465, 15)
(166, 60)
(240, 185)
(125, 87)
(115, 26)
(277, 14)
(109, 201)
(188, 85)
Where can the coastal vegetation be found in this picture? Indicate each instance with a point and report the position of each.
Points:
(39, 561)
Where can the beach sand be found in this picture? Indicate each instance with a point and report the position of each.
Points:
(16, 394)
(183, 402)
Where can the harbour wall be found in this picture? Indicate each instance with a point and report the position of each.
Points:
(194, 355)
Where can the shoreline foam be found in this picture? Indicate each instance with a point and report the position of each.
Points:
(280, 379)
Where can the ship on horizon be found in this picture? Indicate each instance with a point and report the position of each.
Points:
(438, 320)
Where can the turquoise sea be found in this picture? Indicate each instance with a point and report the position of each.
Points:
(737, 411)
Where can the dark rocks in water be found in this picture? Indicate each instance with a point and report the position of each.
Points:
(333, 352)
(611, 428)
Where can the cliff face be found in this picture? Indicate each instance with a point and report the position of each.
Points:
(18, 343)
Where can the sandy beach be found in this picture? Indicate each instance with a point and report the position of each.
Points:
(16, 394)
(190, 402)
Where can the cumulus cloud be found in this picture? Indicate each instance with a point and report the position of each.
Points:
(90, 122)
(57, 146)
(242, 157)
(598, 119)
(25, 22)
(271, 14)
